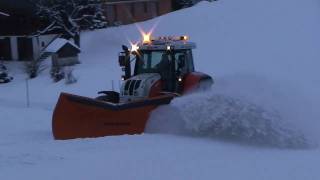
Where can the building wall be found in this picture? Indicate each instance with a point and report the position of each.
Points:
(66, 56)
(64, 61)
(126, 12)
(41, 42)
(14, 48)
(165, 6)
(23, 47)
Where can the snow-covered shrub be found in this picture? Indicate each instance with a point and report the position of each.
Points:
(34, 67)
(57, 74)
(69, 77)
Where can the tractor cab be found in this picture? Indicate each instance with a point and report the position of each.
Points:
(164, 59)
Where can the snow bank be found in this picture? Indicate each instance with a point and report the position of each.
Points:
(262, 54)
(226, 118)
(261, 51)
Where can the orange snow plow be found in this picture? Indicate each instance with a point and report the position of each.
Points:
(163, 69)
(81, 117)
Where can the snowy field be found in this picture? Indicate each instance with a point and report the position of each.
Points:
(260, 121)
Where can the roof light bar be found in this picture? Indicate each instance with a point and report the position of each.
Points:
(184, 38)
(172, 38)
(147, 38)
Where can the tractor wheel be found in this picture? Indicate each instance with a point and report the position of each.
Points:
(205, 84)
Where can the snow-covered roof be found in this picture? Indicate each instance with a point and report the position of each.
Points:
(57, 44)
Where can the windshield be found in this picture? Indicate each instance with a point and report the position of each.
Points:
(152, 61)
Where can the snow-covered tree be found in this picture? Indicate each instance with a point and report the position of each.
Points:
(185, 3)
(70, 16)
(4, 14)
(179, 4)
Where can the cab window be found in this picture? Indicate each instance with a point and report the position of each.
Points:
(148, 61)
(189, 62)
(186, 56)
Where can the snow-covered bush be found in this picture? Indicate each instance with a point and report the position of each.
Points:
(69, 77)
(57, 74)
(34, 67)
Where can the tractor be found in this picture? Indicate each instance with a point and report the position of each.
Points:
(155, 71)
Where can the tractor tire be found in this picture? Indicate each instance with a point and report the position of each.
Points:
(205, 84)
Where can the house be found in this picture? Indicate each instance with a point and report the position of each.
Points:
(23, 47)
(16, 33)
(63, 52)
(16, 40)
(120, 12)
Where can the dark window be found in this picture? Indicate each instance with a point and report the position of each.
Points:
(5, 49)
(115, 12)
(188, 61)
(145, 7)
(25, 48)
(177, 57)
(42, 44)
(150, 61)
(132, 9)
(157, 8)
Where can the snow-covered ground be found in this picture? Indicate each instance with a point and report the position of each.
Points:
(264, 56)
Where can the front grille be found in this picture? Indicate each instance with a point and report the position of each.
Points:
(131, 86)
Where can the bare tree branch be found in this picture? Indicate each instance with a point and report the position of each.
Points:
(69, 16)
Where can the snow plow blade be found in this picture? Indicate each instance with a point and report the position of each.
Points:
(82, 117)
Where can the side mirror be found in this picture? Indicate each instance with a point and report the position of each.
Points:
(122, 60)
(125, 48)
